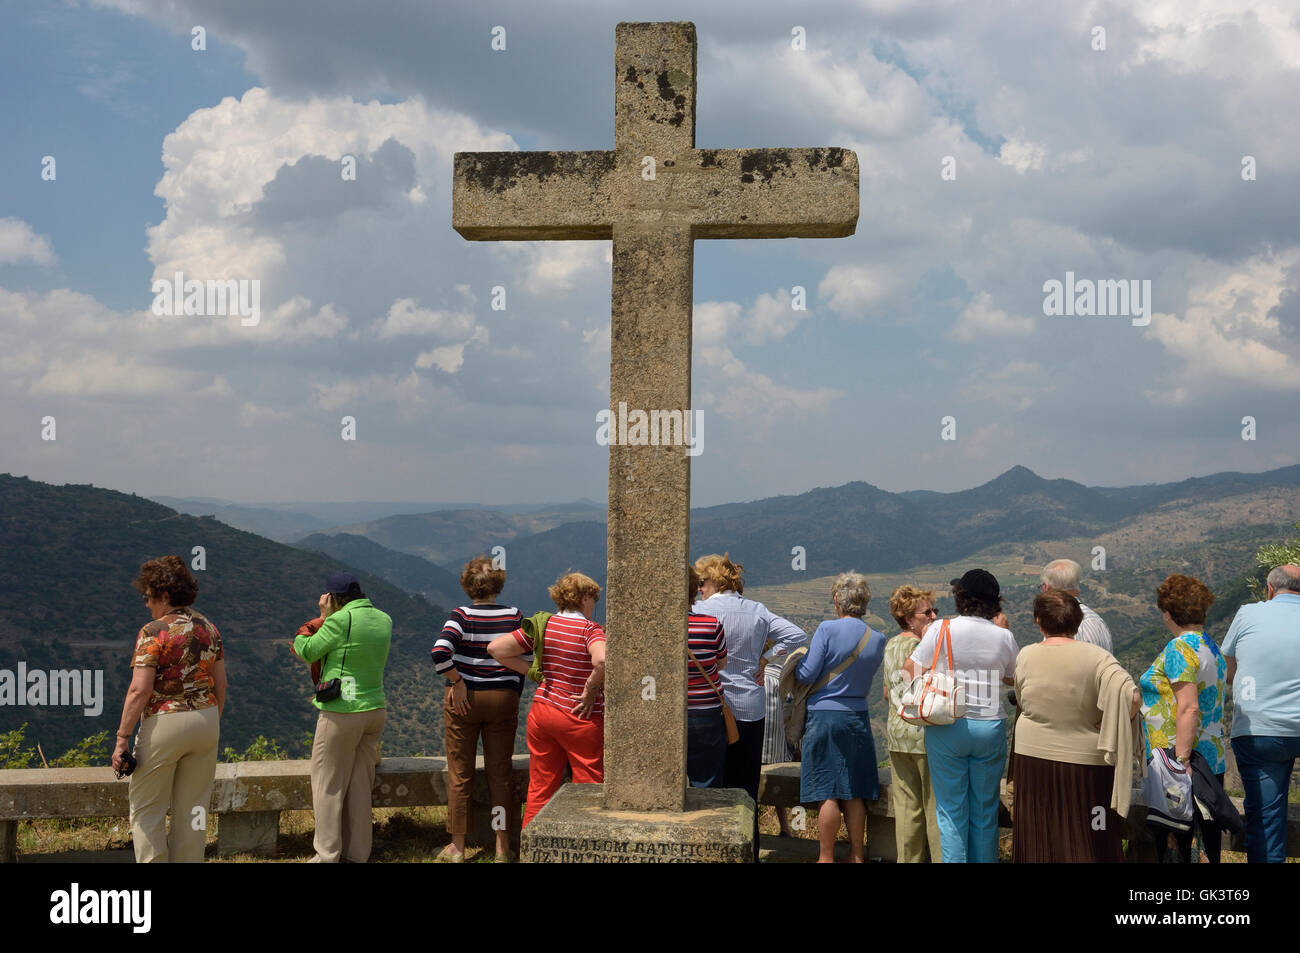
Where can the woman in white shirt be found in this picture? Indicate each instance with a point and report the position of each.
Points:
(966, 758)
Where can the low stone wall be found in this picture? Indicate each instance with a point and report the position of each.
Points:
(248, 797)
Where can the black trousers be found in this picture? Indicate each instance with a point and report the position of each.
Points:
(744, 767)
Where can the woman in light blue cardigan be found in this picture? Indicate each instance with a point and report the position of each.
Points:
(839, 755)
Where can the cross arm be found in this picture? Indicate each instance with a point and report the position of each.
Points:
(769, 193)
(532, 196)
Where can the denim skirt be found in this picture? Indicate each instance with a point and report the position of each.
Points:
(839, 757)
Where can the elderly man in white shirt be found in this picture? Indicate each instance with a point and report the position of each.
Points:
(1063, 575)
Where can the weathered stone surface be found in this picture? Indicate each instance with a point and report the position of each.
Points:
(262, 786)
(248, 832)
(649, 526)
(716, 826)
(62, 792)
(8, 842)
(654, 194)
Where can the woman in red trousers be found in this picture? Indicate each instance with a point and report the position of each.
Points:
(566, 722)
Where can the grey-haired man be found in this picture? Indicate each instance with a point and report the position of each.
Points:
(1064, 575)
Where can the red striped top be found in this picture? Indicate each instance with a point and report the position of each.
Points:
(709, 644)
(566, 659)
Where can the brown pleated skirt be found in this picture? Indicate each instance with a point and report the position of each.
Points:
(1062, 814)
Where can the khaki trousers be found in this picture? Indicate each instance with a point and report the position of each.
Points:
(494, 713)
(916, 830)
(342, 779)
(176, 754)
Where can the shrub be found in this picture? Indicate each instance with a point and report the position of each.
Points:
(260, 748)
(12, 752)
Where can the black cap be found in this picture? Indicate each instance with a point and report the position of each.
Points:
(980, 583)
(341, 583)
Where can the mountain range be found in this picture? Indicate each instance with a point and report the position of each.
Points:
(856, 525)
(68, 554)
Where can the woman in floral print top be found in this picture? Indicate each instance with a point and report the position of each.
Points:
(1182, 692)
(178, 689)
(183, 648)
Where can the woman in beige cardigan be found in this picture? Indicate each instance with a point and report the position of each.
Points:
(1067, 769)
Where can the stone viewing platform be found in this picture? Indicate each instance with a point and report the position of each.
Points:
(248, 797)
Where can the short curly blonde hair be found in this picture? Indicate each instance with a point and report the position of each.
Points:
(570, 589)
(725, 575)
(905, 599)
(851, 593)
(481, 580)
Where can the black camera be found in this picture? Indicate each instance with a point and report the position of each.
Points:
(328, 691)
(130, 765)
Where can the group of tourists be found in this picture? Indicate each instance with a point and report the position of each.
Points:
(1080, 720)
(760, 690)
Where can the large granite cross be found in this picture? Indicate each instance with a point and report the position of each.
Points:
(654, 194)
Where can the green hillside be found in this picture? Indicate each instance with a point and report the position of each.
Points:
(68, 555)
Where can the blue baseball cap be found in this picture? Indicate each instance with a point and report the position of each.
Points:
(342, 582)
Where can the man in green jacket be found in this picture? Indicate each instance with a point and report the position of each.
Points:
(352, 645)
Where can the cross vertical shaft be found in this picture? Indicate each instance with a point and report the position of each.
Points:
(648, 539)
(649, 525)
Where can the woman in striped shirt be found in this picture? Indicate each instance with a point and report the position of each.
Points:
(482, 696)
(706, 728)
(566, 722)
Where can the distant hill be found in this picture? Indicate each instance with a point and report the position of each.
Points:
(450, 537)
(856, 525)
(277, 524)
(289, 522)
(863, 527)
(410, 573)
(68, 555)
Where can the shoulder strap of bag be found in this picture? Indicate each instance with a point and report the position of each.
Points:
(705, 674)
(838, 669)
(343, 667)
(945, 638)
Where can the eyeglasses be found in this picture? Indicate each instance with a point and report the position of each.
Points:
(931, 612)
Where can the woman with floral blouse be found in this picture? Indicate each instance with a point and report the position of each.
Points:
(178, 689)
(1182, 697)
(916, 831)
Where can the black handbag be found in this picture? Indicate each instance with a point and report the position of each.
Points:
(328, 691)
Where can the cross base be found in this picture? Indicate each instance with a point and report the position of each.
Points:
(716, 827)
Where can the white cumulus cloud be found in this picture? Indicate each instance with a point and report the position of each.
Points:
(19, 244)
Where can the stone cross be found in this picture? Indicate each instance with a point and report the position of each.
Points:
(654, 194)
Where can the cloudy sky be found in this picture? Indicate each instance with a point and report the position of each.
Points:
(1117, 163)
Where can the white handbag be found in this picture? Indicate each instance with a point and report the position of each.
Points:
(934, 697)
(1167, 791)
